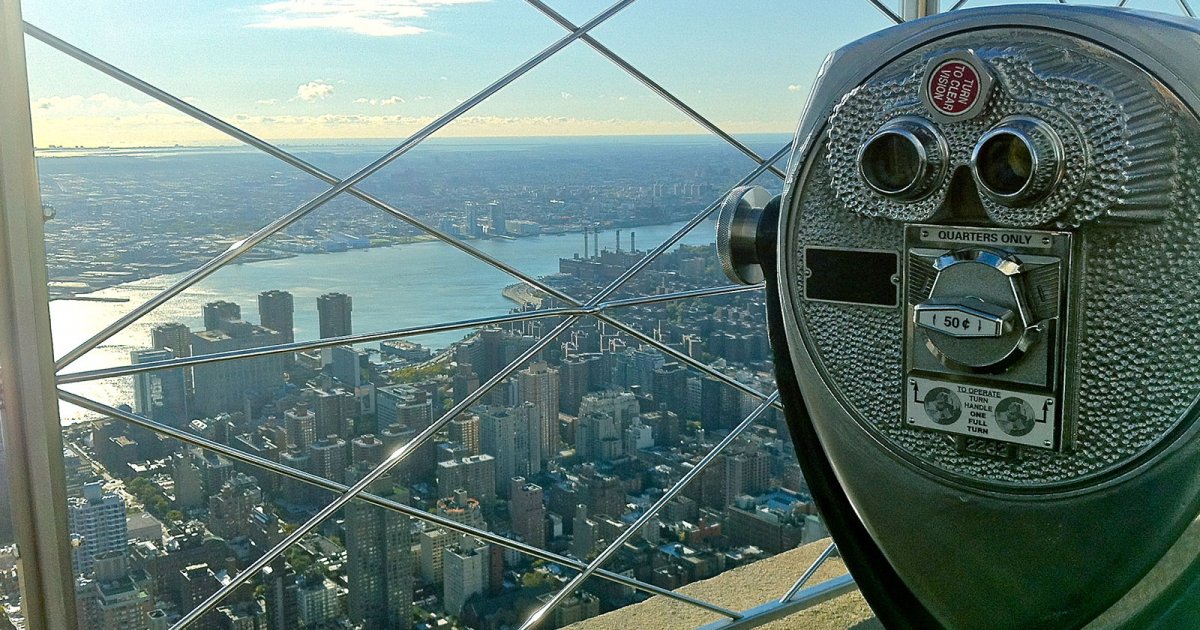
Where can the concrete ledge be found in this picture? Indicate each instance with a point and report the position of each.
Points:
(743, 588)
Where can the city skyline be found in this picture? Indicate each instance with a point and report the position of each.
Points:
(312, 70)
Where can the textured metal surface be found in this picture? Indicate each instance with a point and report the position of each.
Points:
(1117, 131)
(1151, 345)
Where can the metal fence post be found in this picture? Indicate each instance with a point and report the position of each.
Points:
(914, 9)
(30, 418)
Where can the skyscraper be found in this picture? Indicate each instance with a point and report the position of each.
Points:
(98, 521)
(465, 568)
(280, 591)
(301, 425)
(476, 475)
(275, 311)
(527, 511)
(327, 457)
(178, 339)
(224, 387)
(162, 394)
(112, 599)
(513, 436)
(538, 384)
(378, 559)
(335, 409)
(174, 337)
(366, 449)
(333, 312)
(219, 312)
(465, 430)
(471, 223)
(496, 211)
(598, 437)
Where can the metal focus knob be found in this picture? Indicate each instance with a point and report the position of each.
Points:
(738, 231)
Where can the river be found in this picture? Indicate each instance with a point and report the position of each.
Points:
(391, 287)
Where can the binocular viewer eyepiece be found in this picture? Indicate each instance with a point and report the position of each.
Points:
(982, 293)
(1016, 163)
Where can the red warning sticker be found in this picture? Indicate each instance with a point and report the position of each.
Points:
(953, 87)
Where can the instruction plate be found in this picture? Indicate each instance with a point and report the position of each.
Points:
(981, 411)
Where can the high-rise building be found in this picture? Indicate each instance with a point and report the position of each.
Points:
(670, 387)
(598, 437)
(162, 394)
(229, 508)
(280, 593)
(465, 430)
(224, 387)
(403, 404)
(174, 337)
(434, 542)
(276, 310)
(496, 212)
(196, 583)
(317, 601)
(461, 508)
(178, 339)
(512, 435)
(378, 559)
(294, 489)
(333, 313)
(583, 530)
(465, 573)
(336, 410)
(475, 474)
(301, 423)
(527, 511)
(573, 382)
(366, 449)
(638, 436)
(112, 599)
(219, 312)
(97, 520)
(327, 458)
(350, 366)
(539, 384)
(622, 406)
(471, 223)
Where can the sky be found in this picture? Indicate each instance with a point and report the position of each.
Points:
(291, 70)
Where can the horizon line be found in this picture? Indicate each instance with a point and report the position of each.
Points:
(334, 141)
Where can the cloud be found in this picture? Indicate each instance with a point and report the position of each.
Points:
(795, 88)
(422, 98)
(565, 95)
(314, 91)
(373, 18)
(267, 101)
(100, 103)
(391, 100)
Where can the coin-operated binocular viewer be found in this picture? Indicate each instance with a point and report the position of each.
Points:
(984, 295)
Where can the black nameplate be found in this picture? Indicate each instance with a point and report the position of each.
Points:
(852, 276)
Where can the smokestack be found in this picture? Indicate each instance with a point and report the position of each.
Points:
(618, 241)
(596, 241)
(632, 245)
(585, 242)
